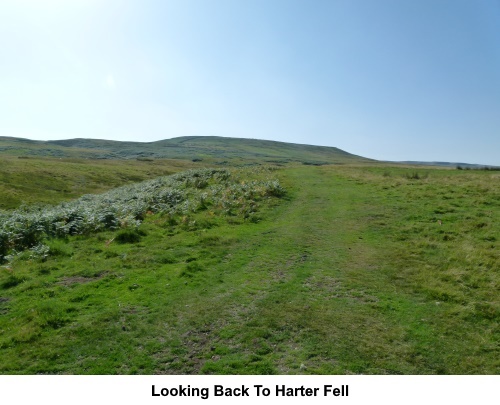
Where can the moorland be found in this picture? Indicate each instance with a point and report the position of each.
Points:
(206, 255)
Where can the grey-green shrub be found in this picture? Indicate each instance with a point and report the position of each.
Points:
(228, 191)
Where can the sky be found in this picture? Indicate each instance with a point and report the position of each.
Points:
(386, 79)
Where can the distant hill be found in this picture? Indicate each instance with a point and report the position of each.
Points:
(449, 164)
(198, 148)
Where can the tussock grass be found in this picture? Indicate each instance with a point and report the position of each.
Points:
(356, 270)
(52, 180)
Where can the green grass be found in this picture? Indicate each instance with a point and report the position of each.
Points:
(55, 171)
(52, 180)
(206, 149)
(357, 269)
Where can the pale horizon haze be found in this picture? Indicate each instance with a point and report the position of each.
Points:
(389, 79)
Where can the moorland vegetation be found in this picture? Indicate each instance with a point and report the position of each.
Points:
(306, 265)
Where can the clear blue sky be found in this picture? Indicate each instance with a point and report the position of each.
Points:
(386, 79)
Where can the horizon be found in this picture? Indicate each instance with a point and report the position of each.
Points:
(389, 81)
(439, 162)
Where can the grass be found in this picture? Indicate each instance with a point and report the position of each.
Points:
(357, 269)
(201, 149)
(53, 180)
(55, 171)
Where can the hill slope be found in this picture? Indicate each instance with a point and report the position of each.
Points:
(364, 270)
(55, 171)
(190, 147)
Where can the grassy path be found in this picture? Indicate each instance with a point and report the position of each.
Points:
(322, 289)
(352, 274)
(304, 293)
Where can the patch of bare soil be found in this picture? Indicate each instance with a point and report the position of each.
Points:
(69, 281)
(3, 308)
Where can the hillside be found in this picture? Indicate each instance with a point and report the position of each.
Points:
(55, 171)
(353, 270)
(256, 258)
(214, 149)
(50, 180)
